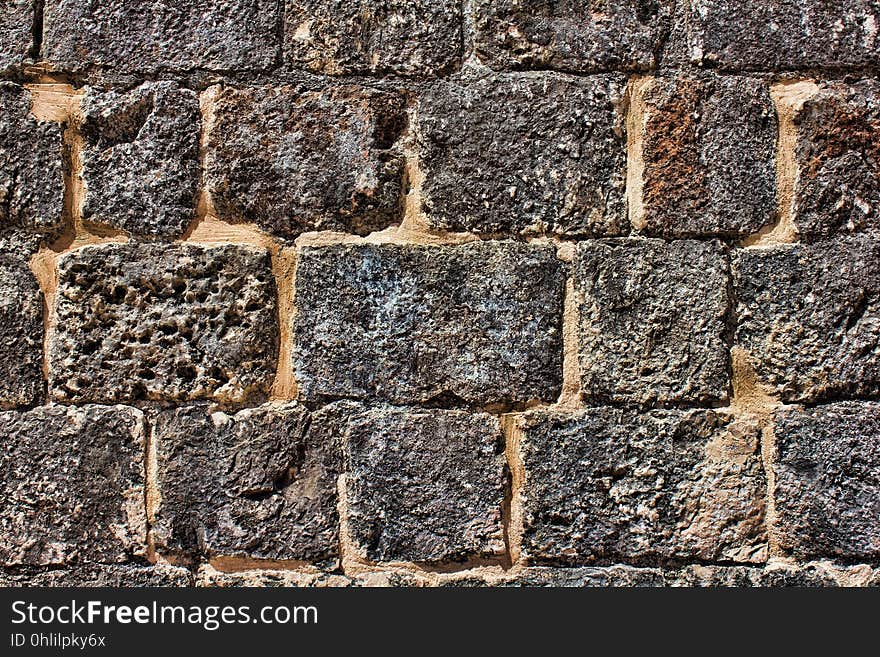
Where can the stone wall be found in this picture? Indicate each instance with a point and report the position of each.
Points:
(423, 292)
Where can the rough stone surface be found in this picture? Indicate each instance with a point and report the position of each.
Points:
(838, 159)
(708, 147)
(524, 153)
(479, 322)
(541, 576)
(210, 577)
(653, 321)
(72, 485)
(422, 485)
(292, 160)
(407, 37)
(21, 327)
(258, 484)
(140, 161)
(162, 35)
(571, 35)
(16, 32)
(809, 316)
(31, 181)
(828, 480)
(608, 483)
(746, 576)
(166, 322)
(784, 34)
(125, 576)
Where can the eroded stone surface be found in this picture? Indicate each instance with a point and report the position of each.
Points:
(541, 576)
(72, 484)
(746, 576)
(809, 316)
(167, 322)
(31, 180)
(125, 576)
(480, 322)
(838, 160)
(571, 36)
(828, 480)
(162, 35)
(784, 34)
(140, 160)
(21, 325)
(259, 484)
(653, 321)
(534, 153)
(408, 37)
(708, 147)
(16, 32)
(422, 485)
(610, 483)
(292, 160)
(210, 577)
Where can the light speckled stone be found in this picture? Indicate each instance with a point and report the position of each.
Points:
(16, 32)
(163, 322)
(747, 576)
(208, 576)
(809, 316)
(653, 321)
(31, 180)
(542, 576)
(538, 153)
(116, 576)
(407, 37)
(72, 485)
(150, 36)
(140, 160)
(609, 483)
(827, 489)
(480, 322)
(259, 484)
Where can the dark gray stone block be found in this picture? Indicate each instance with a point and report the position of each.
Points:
(16, 33)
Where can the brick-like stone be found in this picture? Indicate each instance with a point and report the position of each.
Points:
(543, 576)
(608, 483)
(140, 160)
(422, 485)
(784, 34)
(21, 326)
(152, 36)
(584, 37)
(479, 322)
(747, 576)
(31, 179)
(809, 316)
(16, 32)
(292, 160)
(407, 37)
(827, 489)
(210, 577)
(258, 484)
(534, 153)
(97, 575)
(72, 484)
(164, 322)
(708, 151)
(653, 321)
(838, 159)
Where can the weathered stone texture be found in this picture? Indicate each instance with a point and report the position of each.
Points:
(162, 35)
(257, 484)
(708, 147)
(292, 160)
(827, 489)
(479, 322)
(31, 180)
(423, 485)
(96, 575)
(140, 160)
(407, 37)
(784, 34)
(210, 577)
(653, 321)
(524, 153)
(72, 485)
(809, 316)
(746, 576)
(542, 576)
(607, 483)
(166, 322)
(571, 35)
(838, 159)
(21, 326)
(16, 32)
